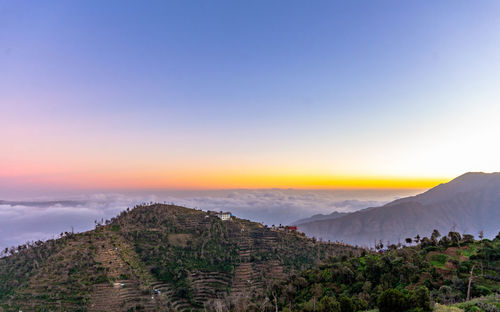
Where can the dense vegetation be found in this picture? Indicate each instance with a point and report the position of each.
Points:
(400, 278)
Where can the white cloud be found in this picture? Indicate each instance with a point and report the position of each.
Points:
(33, 220)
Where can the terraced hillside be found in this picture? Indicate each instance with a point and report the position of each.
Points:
(157, 258)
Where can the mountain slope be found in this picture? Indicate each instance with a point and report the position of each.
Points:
(318, 217)
(157, 258)
(468, 204)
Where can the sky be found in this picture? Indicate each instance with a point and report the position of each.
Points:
(126, 95)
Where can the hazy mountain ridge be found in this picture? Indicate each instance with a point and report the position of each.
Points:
(319, 216)
(469, 204)
(41, 203)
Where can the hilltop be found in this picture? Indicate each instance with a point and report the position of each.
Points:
(158, 258)
(468, 204)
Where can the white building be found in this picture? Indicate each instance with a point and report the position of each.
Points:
(225, 215)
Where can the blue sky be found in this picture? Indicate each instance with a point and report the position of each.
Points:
(122, 92)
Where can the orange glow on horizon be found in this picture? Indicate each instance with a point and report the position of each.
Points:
(231, 180)
(298, 182)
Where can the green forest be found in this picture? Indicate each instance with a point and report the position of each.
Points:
(433, 273)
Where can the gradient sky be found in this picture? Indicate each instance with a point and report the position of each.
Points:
(234, 94)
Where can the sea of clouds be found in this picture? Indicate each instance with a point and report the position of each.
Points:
(34, 219)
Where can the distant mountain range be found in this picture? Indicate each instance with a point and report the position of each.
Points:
(41, 203)
(467, 204)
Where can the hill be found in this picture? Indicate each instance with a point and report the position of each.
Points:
(157, 258)
(436, 271)
(468, 204)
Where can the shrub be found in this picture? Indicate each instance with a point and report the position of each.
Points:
(481, 290)
(442, 308)
(101, 279)
(392, 300)
(431, 248)
(124, 276)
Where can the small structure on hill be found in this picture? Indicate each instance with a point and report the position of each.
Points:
(225, 215)
(291, 228)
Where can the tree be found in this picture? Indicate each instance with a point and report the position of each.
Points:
(408, 240)
(426, 242)
(290, 294)
(392, 247)
(359, 304)
(467, 238)
(392, 300)
(417, 239)
(481, 235)
(470, 282)
(346, 304)
(308, 306)
(420, 299)
(329, 304)
(444, 241)
(317, 291)
(273, 289)
(380, 245)
(455, 238)
(435, 234)
(446, 294)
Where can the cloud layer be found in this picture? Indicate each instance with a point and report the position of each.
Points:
(22, 221)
